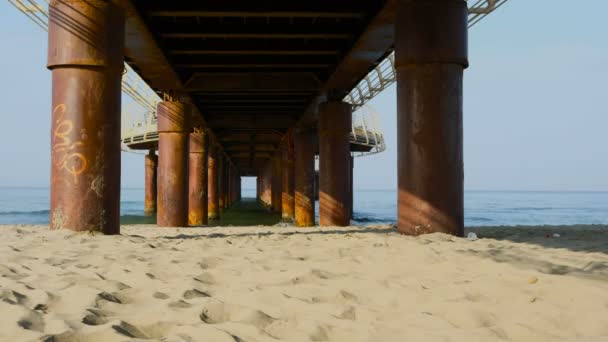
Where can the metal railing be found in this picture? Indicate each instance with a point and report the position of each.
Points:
(140, 127)
(366, 131)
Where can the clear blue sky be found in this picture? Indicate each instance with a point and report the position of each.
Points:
(535, 115)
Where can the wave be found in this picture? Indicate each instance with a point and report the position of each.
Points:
(482, 219)
(25, 213)
(370, 219)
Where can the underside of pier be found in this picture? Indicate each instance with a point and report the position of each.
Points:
(256, 88)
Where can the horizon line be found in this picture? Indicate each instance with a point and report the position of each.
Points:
(356, 189)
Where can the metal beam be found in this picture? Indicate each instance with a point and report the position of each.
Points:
(266, 14)
(257, 52)
(207, 35)
(252, 66)
(231, 101)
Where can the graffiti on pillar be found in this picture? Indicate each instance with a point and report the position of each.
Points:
(66, 156)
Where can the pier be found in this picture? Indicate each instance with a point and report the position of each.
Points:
(238, 89)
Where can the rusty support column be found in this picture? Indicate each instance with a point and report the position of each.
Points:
(238, 189)
(151, 163)
(287, 193)
(334, 163)
(266, 185)
(277, 182)
(431, 54)
(212, 199)
(237, 180)
(85, 129)
(197, 175)
(257, 187)
(173, 127)
(220, 182)
(304, 172)
(228, 185)
(351, 188)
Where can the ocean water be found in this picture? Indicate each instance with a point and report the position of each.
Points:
(482, 208)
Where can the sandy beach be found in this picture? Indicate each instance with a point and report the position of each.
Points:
(245, 284)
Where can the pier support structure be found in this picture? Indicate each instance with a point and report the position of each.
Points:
(85, 129)
(430, 56)
(212, 190)
(334, 163)
(351, 187)
(220, 181)
(277, 182)
(305, 142)
(287, 189)
(173, 129)
(151, 165)
(228, 185)
(197, 175)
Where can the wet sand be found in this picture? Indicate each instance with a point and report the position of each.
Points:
(292, 284)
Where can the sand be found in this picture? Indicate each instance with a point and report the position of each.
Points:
(283, 283)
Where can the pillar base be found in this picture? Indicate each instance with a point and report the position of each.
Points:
(334, 163)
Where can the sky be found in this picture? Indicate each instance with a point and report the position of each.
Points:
(535, 113)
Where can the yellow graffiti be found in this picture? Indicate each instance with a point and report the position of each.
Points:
(65, 151)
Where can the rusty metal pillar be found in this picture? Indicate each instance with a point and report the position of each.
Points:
(266, 182)
(238, 189)
(173, 127)
(228, 186)
(260, 184)
(277, 182)
(351, 188)
(220, 182)
(304, 172)
(212, 198)
(197, 175)
(151, 183)
(236, 180)
(334, 163)
(430, 56)
(287, 193)
(85, 129)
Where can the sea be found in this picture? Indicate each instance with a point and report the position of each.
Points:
(28, 205)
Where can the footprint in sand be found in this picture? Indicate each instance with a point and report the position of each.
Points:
(321, 334)
(13, 297)
(206, 278)
(180, 304)
(217, 312)
(155, 331)
(194, 293)
(160, 295)
(110, 297)
(349, 313)
(207, 263)
(313, 276)
(32, 321)
(11, 273)
(94, 319)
